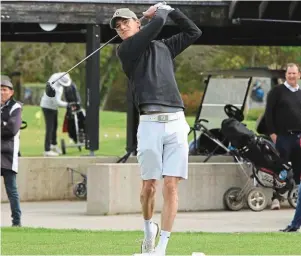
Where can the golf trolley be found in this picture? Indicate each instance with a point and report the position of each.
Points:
(74, 120)
(214, 108)
(268, 168)
(80, 188)
(234, 198)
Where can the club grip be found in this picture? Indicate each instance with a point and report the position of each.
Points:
(50, 92)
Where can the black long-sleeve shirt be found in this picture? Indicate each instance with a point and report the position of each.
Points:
(148, 63)
(283, 110)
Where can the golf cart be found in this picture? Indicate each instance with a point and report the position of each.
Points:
(233, 92)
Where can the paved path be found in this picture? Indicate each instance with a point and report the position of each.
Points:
(72, 215)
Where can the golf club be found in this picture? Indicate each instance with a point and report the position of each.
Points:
(50, 92)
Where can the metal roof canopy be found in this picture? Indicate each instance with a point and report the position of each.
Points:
(150, 2)
(222, 22)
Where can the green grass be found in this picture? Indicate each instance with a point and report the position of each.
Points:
(30, 241)
(112, 133)
(113, 125)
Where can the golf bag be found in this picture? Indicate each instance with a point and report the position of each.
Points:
(261, 153)
(74, 125)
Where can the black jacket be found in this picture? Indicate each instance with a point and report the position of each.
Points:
(72, 94)
(283, 110)
(10, 134)
(148, 63)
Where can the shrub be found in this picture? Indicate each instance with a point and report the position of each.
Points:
(192, 102)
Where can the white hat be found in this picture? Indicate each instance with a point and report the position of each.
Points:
(64, 81)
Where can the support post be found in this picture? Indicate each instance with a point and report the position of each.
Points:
(92, 88)
(132, 124)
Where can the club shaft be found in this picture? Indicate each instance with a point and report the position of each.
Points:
(85, 59)
(141, 19)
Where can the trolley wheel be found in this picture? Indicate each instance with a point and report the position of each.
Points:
(63, 146)
(80, 190)
(231, 200)
(292, 197)
(256, 200)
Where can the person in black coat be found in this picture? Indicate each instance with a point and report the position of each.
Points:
(10, 140)
(283, 121)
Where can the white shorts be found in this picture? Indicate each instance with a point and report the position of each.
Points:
(163, 146)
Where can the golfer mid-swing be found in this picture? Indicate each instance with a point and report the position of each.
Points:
(162, 133)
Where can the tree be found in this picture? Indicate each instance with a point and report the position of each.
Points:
(38, 61)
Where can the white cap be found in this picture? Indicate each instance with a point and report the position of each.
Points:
(64, 81)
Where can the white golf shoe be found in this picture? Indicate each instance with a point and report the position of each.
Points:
(50, 153)
(275, 204)
(56, 149)
(148, 245)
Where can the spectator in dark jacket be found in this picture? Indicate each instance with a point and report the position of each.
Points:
(10, 129)
(283, 121)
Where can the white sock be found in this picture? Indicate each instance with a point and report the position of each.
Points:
(164, 238)
(148, 228)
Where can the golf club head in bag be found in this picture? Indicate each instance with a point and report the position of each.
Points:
(50, 92)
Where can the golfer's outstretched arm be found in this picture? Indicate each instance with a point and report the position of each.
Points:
(135, 45)
(188, 35)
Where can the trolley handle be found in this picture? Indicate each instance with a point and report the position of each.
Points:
(198, 126)
(202, 120)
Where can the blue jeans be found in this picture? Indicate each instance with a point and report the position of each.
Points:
(10, 183)
(296, 222)
(289, 148)
(290, 151)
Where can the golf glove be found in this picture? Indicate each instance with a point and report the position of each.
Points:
(160, 4)
(166, 7)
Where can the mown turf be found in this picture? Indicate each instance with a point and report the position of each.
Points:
(30, 241)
